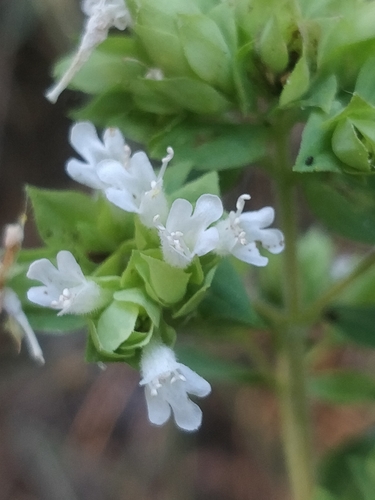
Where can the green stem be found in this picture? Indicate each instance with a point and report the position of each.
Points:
(291, 374)
(314, 311)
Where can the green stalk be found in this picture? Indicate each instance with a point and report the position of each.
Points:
(316, 308)
(291, 375)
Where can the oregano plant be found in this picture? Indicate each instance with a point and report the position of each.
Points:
(209, 89)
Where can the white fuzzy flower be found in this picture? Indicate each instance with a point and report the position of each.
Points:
(136, 188)
(239, 232)
(85, 140)
(65, 287)
(102, 15)
(186, 234)
(167, 385)
(12, 305)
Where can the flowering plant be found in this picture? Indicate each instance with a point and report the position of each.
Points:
(209, 88)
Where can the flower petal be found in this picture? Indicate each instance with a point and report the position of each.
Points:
(141, 168)
(69, 267)
(195, 384)
(42, 295)
(261, 218)
(122, 199)
(207, 241)
(179, 215)
(83, 173)
(85, 140)
(271, 239)
(43, 270)
(250, 254)
(208, 209)
(158, 409)
(114, 144)
(113, 174)
(187, 415)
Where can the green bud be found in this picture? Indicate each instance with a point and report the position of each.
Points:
(273, 49)
(297, 83)
(156, 26)
(348, 147)
(116, 324)
(206, 50)
(166, 284)
(128, 322)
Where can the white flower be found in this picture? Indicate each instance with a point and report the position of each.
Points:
(167, 385)
(12, 305)
(65, 288)
(85, 140)
(239, 232)
(102, 15)
(136, 188)
(185, 233)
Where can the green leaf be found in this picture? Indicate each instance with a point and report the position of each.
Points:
(356, 323)
(138, 297)
(297, 83)
(273, 49)
(192, 95)
(348, 148)
(216, 147)
(115, 108)
(224, 16)
(116, 324)
(343, 387)
(148, 96)
(315, 154)
(205, 49)
(227, 298)
(322, 494)
(348, 42)
(58, 214)
(168, 283)
(345, 204)
(315, 257)
(165, 50)
(365, 82)
(95, 351)
(176, 175)
(349, 470)
(213, 368)
(196, 298)
(322, 93)
(191, 191)
(47, 321)
(102, 71)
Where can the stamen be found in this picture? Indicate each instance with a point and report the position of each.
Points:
(241, 203)
(165, 161)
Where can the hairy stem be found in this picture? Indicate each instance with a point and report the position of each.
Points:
(291, 376)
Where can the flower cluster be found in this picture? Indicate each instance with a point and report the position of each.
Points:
(128, 318)
(130, 183)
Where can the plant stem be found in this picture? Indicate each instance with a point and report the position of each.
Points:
(314, 311)
(291, 374)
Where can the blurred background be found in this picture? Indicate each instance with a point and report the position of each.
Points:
(71, 430)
